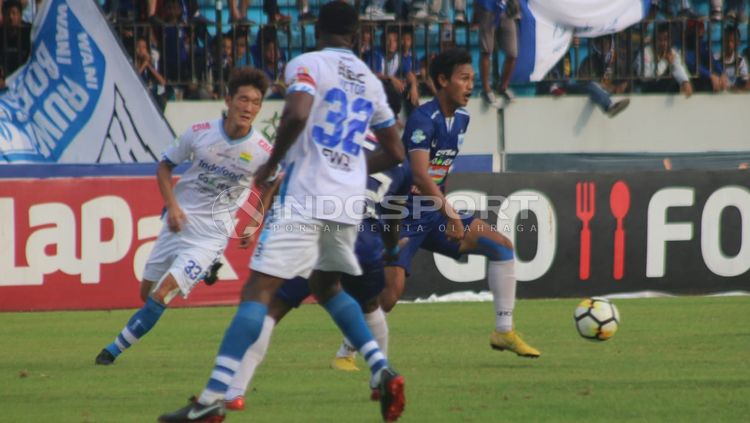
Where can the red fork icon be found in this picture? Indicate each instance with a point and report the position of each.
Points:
(585, 210)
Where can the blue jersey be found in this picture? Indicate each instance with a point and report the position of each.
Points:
(428, 130)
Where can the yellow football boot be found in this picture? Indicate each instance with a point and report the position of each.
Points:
(346, 364)
(511, 341)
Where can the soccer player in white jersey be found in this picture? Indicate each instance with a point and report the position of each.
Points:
(225, 154)
(331, 101)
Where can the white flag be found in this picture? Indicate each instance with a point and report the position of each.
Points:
(78, 98)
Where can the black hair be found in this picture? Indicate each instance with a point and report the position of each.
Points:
(445, 63)
(338, 18)
(244, 76)
(11, 3)
(663, 27)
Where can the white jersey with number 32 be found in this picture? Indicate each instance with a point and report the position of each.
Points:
(326, 170)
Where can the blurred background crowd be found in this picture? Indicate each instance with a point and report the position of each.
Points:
(185, 49)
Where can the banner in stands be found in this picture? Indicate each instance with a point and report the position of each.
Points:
(81, 243)
(78, 98)
(579, 234)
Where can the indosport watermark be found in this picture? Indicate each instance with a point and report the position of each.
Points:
(240, 204)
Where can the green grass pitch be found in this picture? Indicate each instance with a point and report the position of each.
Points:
(673, 360)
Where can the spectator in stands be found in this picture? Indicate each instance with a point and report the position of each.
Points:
(369, 53)
(497, 17)
(426, 84)
(400, 64)
(672, 8)
(591, 67)
(15, 37)
(735, 66)
(268, 57)
(240, 43)
(175, 42)
(441, 8)
(735, 10)
(222, 66)
(375, 12)
(146, 64)
(271, 9)
(655, 66)
(707, 71)
(603, 64)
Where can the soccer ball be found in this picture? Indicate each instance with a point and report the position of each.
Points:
(597, 319)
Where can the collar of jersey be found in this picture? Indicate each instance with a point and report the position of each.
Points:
(238, 140)
(338, 49)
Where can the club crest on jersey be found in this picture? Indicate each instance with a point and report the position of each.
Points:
(303, 76)
(418, 136)
(246, 157)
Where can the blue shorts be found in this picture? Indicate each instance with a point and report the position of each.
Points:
(363, 288)
(428, 233)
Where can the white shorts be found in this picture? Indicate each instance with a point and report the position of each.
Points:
(294, 246)
(186, 261)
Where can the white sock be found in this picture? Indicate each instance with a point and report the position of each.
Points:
(346, 350)
(250, 361)
(379, 328)
(502, 280)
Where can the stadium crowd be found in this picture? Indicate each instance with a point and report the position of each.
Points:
(185, 49)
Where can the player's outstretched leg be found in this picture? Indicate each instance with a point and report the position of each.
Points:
(242, 332)
(376, 321)
(141, 322)
(234, 399)
(348, 317)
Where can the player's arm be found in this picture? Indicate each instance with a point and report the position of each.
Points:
(420, 162)
(391, 153)
(175, 215)
(297, 107)
(266, 201)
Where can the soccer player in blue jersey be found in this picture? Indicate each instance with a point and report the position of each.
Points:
(331, 101)
(434, 133)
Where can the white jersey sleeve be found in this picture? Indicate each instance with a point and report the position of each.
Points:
(181, 148)
(301, 75)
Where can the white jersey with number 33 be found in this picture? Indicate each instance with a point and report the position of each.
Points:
(326, 170)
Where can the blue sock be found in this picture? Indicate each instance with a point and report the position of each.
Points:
(241, 333)
(348, 316)
(138, 325)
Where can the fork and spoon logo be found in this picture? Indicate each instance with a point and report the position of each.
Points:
(619, 204)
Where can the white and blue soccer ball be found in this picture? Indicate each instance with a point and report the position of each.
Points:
(597, 319)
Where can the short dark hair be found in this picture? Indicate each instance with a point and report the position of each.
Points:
(338, 18)
(11, 3)
(446, 61)
(247, 75)
(663, 27)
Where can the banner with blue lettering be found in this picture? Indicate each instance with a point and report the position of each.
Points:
(78, 98)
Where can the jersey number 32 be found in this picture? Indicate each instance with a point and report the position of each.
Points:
(344, 122)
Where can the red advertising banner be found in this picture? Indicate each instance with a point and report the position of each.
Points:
(81, 243)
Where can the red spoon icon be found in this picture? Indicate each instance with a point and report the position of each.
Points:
(619, 202)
